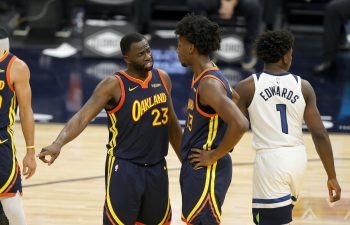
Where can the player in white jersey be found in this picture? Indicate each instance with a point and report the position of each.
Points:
(278, 102)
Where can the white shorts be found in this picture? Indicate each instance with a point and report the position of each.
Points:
(278, 176)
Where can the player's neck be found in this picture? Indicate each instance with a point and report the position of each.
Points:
(274, 69)
(137, 74)
(202, 63)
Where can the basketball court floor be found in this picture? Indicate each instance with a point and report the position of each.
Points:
(71, 191)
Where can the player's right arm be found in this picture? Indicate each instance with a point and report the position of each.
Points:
(321, 140)
(19, 78)
(107, 89)
(213, 94)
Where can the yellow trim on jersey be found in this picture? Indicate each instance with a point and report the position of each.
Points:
(166, 213)
(114, 132)
(205, 146)
(109, 165)
(12, 174)
(212, 186)
(207, 179)
(201, 199)
(109, 204)
(215, 120)
(212, 191)
(12, 110)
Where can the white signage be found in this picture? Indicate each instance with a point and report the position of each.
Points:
(105, 42)
(231, 49)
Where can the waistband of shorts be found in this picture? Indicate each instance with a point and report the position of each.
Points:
(294, 148)
(146, 165)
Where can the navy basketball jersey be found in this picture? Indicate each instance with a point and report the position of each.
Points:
(138, 125)
(204, 128)
(8, 101)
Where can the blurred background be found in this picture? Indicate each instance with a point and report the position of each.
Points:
(70, 45)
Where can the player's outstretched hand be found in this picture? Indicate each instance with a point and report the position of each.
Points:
(29, 164)
(201, 158)
(52, 150)
(334, 190)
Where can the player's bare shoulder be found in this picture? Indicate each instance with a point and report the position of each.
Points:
(111, 82)
(307, 90)
(166, 78)
(111, 86)
(246, 86)
(245, 89)
(247, 81)
(19, 70)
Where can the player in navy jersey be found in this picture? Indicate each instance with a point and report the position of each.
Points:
(214, 124)
(278, 102)
(14, 90)
(141, 122)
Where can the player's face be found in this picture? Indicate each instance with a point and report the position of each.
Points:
(183, 50)
(140, 56)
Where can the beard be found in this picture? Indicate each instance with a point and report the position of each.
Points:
(141, 67)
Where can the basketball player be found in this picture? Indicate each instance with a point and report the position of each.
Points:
(14, 89)
(278, 102)
(141, 121)
(214, 124)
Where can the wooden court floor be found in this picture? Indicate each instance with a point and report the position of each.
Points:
(71, 191)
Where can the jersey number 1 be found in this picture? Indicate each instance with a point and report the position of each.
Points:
(282, 109)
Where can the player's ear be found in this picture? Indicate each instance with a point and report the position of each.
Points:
(285, 59)
(126, 59)
(191, 49)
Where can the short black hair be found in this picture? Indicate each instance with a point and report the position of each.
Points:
(3, 33)
(271, 46)
(200, 31)
(128, 40)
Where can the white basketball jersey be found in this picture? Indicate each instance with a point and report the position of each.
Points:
(276, 111)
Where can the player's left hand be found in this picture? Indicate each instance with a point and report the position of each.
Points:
(202, 158)
(29, 165)
(334, 190)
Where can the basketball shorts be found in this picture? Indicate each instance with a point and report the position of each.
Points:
(204, 190)
(136, 194)
(10, 174)
(277, 180)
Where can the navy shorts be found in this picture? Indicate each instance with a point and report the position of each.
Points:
(10, 174)
(136, 194)
(204, 190)
(273, 216)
